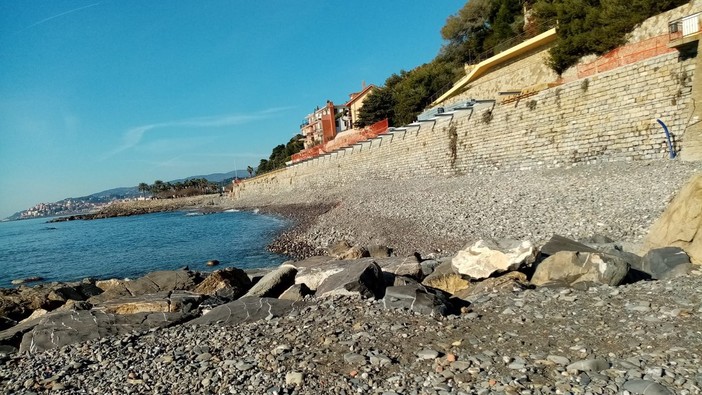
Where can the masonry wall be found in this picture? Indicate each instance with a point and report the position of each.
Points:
(608, 117)
(527, 70)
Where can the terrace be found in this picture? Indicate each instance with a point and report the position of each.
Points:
(685, 30)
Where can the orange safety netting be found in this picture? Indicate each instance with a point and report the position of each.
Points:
(343, 139)
(625, 55)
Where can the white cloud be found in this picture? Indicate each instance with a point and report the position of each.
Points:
(56, 16)
(134, 136)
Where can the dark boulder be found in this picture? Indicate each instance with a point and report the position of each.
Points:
(362, 277)
(230, 283)
(418, 298)
(408, 266)
(274, 283)
(167, 280)
(60, 328)
(506, 283)
(296, 293)
(246, 309)
(583, 268)
(666, 262)
(558, 243)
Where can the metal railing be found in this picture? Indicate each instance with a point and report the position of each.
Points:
(475, 58)
(684, 26)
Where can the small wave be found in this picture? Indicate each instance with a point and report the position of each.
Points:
(256, 210)
(231, 210)
(192, 214)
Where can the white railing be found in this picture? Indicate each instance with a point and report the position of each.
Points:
(691, 24)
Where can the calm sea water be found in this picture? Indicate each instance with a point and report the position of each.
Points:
(133, 246)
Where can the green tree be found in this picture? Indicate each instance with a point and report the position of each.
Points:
(378, 105)
(158, 187)
(143, 188)
(250, 170)
(594, 26)
(465, 31)
(413, 93)
(281, 154)
(405, 95)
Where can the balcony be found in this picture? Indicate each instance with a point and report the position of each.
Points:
(684, 31)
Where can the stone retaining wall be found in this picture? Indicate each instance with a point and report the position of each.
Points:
(608, 117)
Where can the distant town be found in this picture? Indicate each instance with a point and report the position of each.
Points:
(210, 183)
(64, 207)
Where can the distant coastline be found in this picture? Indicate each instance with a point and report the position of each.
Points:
(204, 203)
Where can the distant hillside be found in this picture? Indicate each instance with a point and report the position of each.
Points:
(92, 202)
(217, 177)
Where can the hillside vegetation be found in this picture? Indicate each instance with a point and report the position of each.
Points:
(485, 27)
(594, 26)
(281, 154)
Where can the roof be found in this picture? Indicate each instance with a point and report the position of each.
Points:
(358, 95)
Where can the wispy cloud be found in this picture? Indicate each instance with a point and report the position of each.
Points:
(57, 16)
(134, 136)
(190, 159)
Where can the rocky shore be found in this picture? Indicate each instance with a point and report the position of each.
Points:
(378, 325)
(533, 283)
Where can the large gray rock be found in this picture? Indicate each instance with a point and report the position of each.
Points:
(558, 243)
(428, 266)
(408, 266)
(274, 283)
(58, 329)
(443, 268)
(160, 302)
(13, 336)
(313, 271)
(417, 298)
(247, 309)
(313, 262)
(230, 283)
(664, 263)
(573, 268)
(296, 293)
(360, 277)
(19, 303)
(400, 280)
(167, 280)
(506, 283)
(487, 257)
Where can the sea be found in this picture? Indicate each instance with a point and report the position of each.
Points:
(130, 247)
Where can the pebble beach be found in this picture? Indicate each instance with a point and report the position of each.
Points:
(441, 215)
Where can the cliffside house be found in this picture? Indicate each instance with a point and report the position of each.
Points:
(323, 124)
(355, 103)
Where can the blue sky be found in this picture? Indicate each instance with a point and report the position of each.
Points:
(103, 94)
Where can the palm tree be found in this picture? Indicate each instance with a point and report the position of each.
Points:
(250, 170)
(143, 187)
(158, 186)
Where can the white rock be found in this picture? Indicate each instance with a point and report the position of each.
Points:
(293, 378)
(487, 257)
